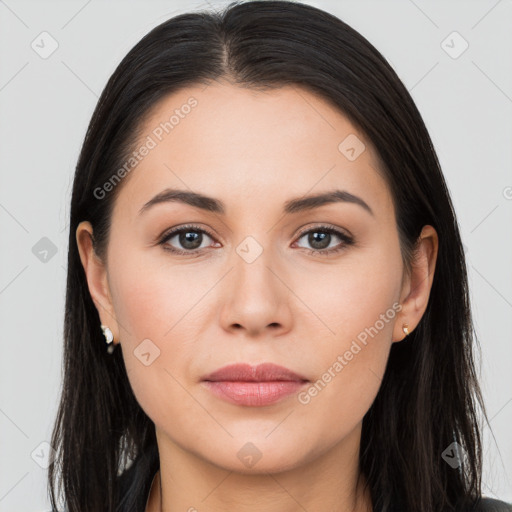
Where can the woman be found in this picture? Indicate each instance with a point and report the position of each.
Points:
(260, 221)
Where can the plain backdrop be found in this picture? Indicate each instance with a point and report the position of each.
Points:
(463, 93)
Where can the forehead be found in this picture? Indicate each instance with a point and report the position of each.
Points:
(237, 143)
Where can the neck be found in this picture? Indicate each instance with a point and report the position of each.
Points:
(328, 482)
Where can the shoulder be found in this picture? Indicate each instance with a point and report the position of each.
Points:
(491, 505)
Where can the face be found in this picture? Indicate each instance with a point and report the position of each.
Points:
(256, 275)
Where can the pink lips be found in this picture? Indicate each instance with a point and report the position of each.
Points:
(243, 384)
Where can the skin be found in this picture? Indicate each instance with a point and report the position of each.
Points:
(254, 151)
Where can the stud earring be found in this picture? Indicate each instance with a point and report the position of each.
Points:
(405, 328)
(109, 338)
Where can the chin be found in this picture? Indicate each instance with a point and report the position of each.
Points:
(259, 456)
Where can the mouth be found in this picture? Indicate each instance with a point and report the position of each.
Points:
(243, 384)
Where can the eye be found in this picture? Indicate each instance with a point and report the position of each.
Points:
(190, 238)
(321, 237)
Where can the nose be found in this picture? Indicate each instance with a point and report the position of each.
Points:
(256, 299)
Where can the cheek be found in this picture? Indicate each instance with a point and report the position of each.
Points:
(152, 298)
(349, 370)
(146, 308)
(156, 353)
(357, 305)
(350, 296)
(160, 309)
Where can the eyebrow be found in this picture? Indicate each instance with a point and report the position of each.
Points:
(213, 205)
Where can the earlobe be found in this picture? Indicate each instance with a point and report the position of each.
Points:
(96, 275)
(417, 287)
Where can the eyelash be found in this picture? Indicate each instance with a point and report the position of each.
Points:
(346, 239)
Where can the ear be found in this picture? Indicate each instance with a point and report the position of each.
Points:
(96, 274)
(416, 287)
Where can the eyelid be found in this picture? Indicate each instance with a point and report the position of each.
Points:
(325, 226)
(170, 233)
(178, 229)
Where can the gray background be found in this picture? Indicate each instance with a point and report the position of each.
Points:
(46, 103)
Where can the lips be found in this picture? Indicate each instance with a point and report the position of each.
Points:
(243, 384)
(265, 372)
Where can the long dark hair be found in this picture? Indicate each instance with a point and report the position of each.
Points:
(429, 396)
